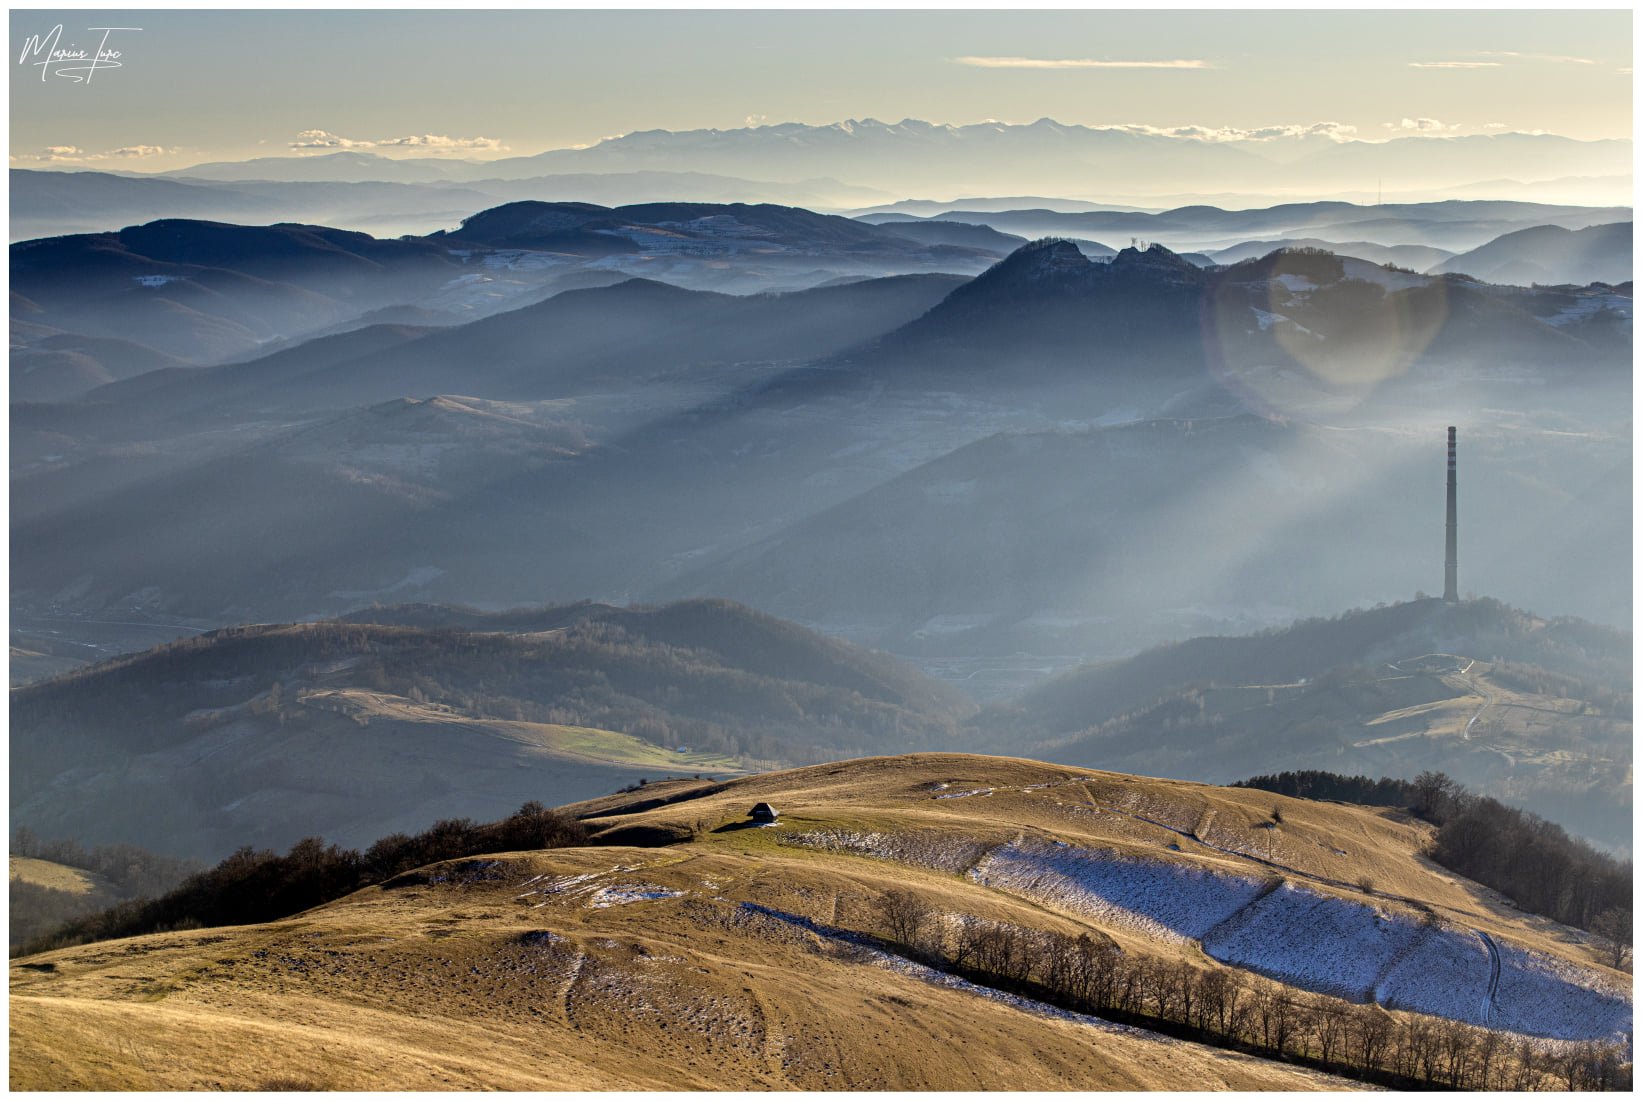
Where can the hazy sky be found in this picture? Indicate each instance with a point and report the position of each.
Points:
(199, 85)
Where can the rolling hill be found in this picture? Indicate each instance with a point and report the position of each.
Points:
(265, 734)
(1531, 711)
(742, 957)
(1452, 225)
(1550, 254)
(206, 291)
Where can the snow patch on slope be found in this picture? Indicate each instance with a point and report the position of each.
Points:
(1170, 901)
(1317, 941)
(1374, 273)
(1543, 996)
(1361, 951)
(1444, 973)
(622, 893)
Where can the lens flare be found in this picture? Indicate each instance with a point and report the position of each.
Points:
(1300, 327)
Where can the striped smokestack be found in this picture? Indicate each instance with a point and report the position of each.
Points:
(1451, 562)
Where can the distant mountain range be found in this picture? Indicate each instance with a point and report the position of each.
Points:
(99, 307)
(801, 165)
(1550, 254)
(919, 158)
(1449, 225)
(362, 192)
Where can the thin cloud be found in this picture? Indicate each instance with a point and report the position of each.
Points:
(63, 153)
(1562, 58)
(1077, 63)
(1454, 64)
(324, 139)
(1335, 130)
(1425, 126)
(440, 141)
(139, 151)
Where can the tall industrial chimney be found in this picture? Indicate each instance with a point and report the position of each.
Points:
(1451, 563)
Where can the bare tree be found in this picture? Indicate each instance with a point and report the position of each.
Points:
(1530, 1066)
(1274, 1013)
(1331, 1019)
(1096, 968)
(1214, 987)
(1053, 961)
(1486, 1054)
(1369, 1034)
(1433, 791)
(1613, 925)
(905, 914)
(1184, 977)
(1576, 1064)
(965, 942)
(1454, 1043)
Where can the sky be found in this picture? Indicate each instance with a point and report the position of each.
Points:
(203, 85)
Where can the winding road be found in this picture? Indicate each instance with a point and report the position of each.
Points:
(1488, 698)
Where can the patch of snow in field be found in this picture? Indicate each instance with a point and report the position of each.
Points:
(1265, 319)
(1587, 305)
(928, 849)
(564, 884)
(1170, 901)
(1543, 996)
(622, 893)
(1444, 973)
(1316, 941)
(1374, 273)
(1295, 283)
(961, 794)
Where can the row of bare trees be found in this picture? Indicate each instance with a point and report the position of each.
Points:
(253, 886)
(1089, 973)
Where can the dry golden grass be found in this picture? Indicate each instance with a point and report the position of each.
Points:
(534, 979)
(60, 877)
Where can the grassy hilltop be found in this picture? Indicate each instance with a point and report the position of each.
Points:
(722, 955)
